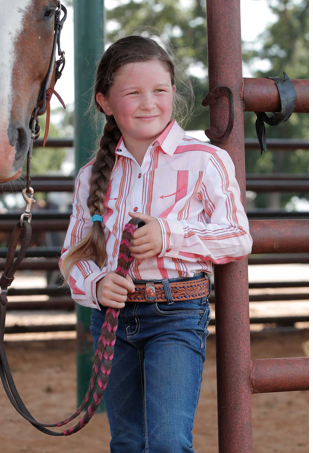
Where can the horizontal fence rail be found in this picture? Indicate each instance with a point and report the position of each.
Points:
(279, 375)
(275, 144)
(280, 236)
(261, 95)
(52, 263)
(255, 183)
(287, 321)
(269, 236)
(52, 220)
(66, 303)
(57, 291)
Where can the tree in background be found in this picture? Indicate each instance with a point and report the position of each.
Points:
(182, 25)
(285, 46)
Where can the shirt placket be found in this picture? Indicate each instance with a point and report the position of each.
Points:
(138, 189)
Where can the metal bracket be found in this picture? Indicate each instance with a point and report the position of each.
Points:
(209, 99)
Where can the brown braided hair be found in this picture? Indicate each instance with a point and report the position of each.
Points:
(131, 49)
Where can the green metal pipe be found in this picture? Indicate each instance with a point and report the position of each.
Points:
(89, 32)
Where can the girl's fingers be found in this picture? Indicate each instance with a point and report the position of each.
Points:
(140, 248)
(119, 290)
(139, 241)
(123, 282)
(114, 297)
(142, 256)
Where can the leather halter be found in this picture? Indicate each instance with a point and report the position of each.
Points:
(60, 63)
(47, 92)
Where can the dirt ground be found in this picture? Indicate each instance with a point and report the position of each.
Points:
(45, 374)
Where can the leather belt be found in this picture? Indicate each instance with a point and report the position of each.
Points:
(184, 290)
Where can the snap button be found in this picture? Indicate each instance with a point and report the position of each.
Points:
(139, 176)
(168, 250)
(150, 292)
(135, 209)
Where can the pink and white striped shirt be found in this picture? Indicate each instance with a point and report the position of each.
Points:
(189, 186)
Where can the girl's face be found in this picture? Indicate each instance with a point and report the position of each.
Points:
(140, 100)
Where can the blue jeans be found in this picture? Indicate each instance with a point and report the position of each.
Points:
(154, 385)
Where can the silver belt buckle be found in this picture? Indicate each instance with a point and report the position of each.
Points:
(150, 292)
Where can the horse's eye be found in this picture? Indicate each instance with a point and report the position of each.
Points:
(49, 13)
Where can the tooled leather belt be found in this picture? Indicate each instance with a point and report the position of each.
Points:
(184, 290)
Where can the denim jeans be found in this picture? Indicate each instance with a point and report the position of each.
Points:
(154, 385)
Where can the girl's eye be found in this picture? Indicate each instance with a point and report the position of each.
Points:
(133, 92)
(160, 90)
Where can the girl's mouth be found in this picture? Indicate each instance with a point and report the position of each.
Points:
(146, 118)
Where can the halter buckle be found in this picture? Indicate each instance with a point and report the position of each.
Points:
(29, 200)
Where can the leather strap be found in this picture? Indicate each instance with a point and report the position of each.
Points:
(288, 99)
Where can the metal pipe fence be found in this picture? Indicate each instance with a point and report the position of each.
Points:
(255, 183)
(237, 374)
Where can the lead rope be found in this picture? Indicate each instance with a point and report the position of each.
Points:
(105, 350)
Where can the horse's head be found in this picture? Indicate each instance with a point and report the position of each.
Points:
(26, 36)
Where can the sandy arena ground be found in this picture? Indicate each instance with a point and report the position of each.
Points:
(45, 375)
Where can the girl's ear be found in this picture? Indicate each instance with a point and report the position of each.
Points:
(104, 103)
(174, 88)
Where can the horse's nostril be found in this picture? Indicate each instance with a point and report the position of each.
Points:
(19, 137)
(22, 138)
(22, 144)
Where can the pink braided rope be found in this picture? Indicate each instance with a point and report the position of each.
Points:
(105, 349)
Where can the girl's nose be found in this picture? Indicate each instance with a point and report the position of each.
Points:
(148, 102)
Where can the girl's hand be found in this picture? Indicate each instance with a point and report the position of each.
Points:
(112, 290)
(147, 240)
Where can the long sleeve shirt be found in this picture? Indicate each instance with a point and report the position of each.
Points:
(189, 186)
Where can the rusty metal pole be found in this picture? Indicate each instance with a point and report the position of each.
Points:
(231, 280)
(279, 375)
(261, 95)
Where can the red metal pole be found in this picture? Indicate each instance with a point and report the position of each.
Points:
(280, 236)
(261, 95)
(231, 280)
(279, 375)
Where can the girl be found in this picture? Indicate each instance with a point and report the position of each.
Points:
(186, 193)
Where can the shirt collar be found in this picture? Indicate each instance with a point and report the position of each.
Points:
(171, 137)
(168, 140)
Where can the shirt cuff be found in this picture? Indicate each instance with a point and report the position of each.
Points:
(172, 237)
(91, 288)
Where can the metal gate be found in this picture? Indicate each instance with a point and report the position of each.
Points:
(238, 377)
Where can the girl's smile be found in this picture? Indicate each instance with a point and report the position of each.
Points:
(140, 100)
(146, 118)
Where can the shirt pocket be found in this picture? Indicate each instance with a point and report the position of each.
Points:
(172, 187)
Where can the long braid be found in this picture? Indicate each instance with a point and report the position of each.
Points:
(99, 182)
(92, 245)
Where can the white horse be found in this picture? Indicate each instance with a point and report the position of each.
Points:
(26, 37)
